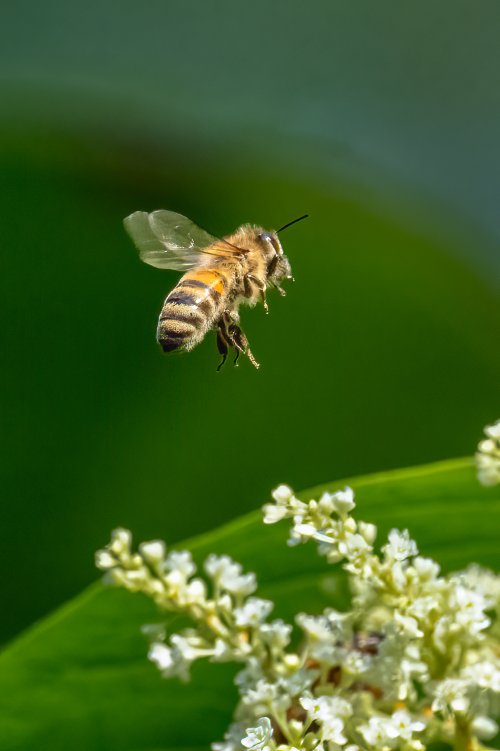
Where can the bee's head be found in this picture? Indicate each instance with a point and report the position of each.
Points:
(278, 265)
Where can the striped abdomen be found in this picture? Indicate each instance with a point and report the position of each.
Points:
(191, 309)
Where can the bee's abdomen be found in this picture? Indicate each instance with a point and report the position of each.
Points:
(191, 309)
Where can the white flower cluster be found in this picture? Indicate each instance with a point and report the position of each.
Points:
(228, 620)
(488, 456)
(415, 662)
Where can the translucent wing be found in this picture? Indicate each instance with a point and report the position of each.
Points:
(169, 240)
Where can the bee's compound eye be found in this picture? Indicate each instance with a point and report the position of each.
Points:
(272, 239)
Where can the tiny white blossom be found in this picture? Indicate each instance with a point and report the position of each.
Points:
(488, 468)
(169, 661)
(488, 456)
(325, 504)
(426, 568)
(227, 575)
(379, 731)
(285, 504)
(317, 627)
(161, 655)
(355, 549)
(220, 566)
(493, 431)
(292, 661)
(422, 607)
(318, 706)
(332, 730)
(121, 539)
(274, 513)
(343, 501)
(482, 581)
(241, 585)
(307, 530)
(330, 712)
(405, 725)
(484, 727)
(282, 494)
(253, 612)
(259, 736)
(400, 546)
(195, 591)
(368, 531)
(104, 560)
(451, 695)
(276, 634)
(470, 610)
(182, 562)
(268, 696)
(153, 552)
(355, 663)
(484, 674)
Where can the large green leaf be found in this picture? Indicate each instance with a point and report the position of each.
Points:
(80, 680)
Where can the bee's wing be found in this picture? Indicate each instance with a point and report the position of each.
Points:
(169, 240)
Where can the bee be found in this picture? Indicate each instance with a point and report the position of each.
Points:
(220, 275)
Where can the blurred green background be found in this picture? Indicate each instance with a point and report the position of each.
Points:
(379, 119)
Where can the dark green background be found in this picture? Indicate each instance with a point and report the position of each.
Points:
(379, 119)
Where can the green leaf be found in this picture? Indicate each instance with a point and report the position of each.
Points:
(80, 679)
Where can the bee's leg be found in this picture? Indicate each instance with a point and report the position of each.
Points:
(261, 286)
(272, 265)
(235, 361)
(222, 346)
(235, 337)
(270, 271)
(229, 318)
(240, 342)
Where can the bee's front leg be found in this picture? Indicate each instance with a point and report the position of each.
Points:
(261, 286)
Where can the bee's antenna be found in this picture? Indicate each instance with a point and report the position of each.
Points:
(304, 216)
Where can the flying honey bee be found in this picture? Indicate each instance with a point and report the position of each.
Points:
(221, 274)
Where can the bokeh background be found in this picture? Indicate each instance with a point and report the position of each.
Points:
(379, 119)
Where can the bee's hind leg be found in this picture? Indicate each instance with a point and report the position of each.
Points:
(240, 342)
(222, 346)
(236, 338)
